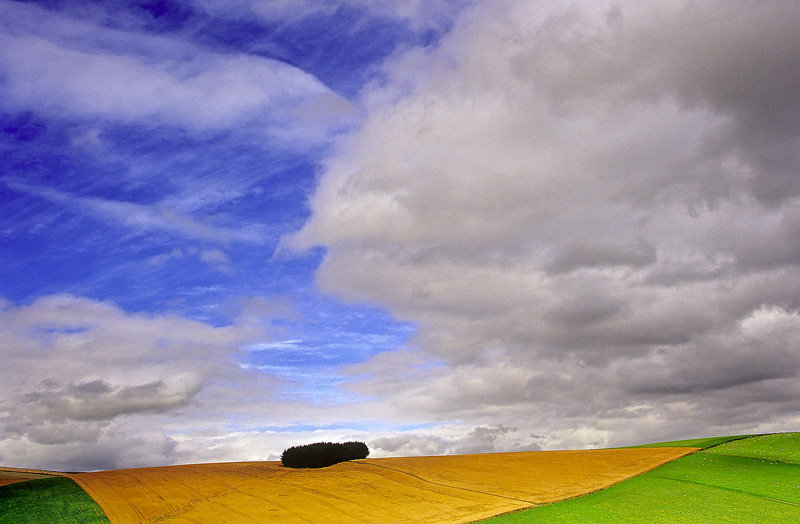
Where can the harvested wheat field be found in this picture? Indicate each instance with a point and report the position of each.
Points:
(451, 489)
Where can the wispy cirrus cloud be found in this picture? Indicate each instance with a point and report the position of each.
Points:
(143, 218)
(77, 69)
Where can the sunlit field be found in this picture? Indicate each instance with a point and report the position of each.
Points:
(754, 479)
(460, 488)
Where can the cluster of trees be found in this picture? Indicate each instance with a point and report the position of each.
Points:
(323, 454)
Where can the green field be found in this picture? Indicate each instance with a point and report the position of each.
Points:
(780, 447)
(754, 479)
(694, 443)
(52, 501)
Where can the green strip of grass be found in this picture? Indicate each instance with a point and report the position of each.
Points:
(780, 447)
(54, 500)
(694, 443)
(705, 487)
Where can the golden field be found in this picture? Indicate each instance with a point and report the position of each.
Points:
(441, 489)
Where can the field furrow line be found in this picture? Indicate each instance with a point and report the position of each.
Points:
(451, 486)
(733, 490)
(781, 501)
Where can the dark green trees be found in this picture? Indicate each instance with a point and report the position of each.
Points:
(323, 454)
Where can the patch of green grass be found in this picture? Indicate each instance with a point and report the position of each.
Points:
(704, 487)
(693, 443)
(53, 500)
(780, 447)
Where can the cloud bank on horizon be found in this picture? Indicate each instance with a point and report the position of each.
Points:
(437, 227)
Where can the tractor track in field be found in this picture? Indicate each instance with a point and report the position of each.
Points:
(427, 481)
(734, 490)
(191, 504)
(781, 501)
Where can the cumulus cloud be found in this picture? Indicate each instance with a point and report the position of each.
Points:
(76, 69)
(79, 374)
(455, 441)
(121, 445)
(589, 211)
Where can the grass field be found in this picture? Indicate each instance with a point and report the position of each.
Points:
(449, 489)
(53, 500)
(781, 447)
(746, 480)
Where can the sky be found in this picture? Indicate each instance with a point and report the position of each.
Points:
(436, 226)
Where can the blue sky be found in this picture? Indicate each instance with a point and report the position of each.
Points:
(156, 210)
(437, 226)
(155, 153)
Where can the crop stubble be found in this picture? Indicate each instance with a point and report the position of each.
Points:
(455, 488)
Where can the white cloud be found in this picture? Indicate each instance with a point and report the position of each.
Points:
(163, 258)
(455, 440)
(419, 14)
(75, 69)
(216, 259)
(583, 207)
(79, 373)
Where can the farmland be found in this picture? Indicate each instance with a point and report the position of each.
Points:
(12, 475)
(51, 499)
(721, 479)
(420, 489)
(754, 479)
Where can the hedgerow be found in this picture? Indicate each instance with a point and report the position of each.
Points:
(323, 454)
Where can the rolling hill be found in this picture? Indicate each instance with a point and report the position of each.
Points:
(655, 483)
